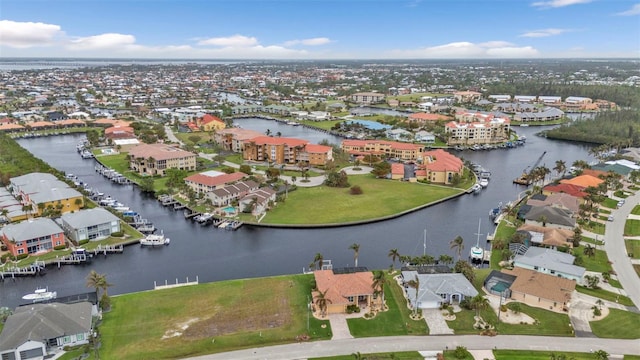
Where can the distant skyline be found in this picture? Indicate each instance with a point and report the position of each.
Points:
(320, 29)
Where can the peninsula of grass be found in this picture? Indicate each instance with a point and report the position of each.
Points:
(209, 318)
(633, 248)
(619, 324)
(395, 321)
(538, 355)
(632, 227)
(605, 295)
(380, 198)
(404, 355)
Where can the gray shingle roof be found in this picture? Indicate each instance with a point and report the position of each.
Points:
(31, 229)
(552, 214)
(43, 187)
(432, 285)
(550, 259)
(89, 217)
(40, 322)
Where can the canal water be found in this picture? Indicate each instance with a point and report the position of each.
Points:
(212, 254)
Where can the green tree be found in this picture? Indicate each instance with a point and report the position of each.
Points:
(415, 283)
(356, 250)
(378, 286)
(318, 259)
(466, 269)
(479, 303)
(322, 301)
(146, 184)
(457, 244)
(394, 255)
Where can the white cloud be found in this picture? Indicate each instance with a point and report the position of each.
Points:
(308, 42)
(231, 41)
(28, 34)
(558, 3)
(544, 33)
(635, 10)
(490, 49)
(102, 41)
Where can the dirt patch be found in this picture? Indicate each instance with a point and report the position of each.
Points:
(179, 329)
(251, 313)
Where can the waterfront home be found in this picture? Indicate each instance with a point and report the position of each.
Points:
(344, 288)
(546, 114)
(440, 166)
(42, 192)
(257, 202)
(477, 128)
(38, 331)
(546, 236)
(550, 216)
(211, 180)
(561, 200)
(155, 159)
(583, 181)
(541, 290)
(227, 194)
(549, 261)
(392, 149)
(233, 139)
(436, 289)
(425, 137)
(399, 135)
(9, 127)
(34, 236)
(90, 224)
(573, 190)
(208, 123)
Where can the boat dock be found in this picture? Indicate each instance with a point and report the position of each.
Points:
(177, 284)
(38, 267)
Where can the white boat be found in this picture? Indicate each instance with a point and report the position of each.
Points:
(477, 253)
(223, 225)
(476, 188)
(294, 123)
(155, 240)
(40, 295)
(484, 182)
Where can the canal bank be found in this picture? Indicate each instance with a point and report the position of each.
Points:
(257, 251)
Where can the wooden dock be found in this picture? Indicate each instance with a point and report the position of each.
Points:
(38, 267)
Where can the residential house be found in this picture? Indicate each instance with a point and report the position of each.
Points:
(499, 98)
(541, 290)
(577, 103)
(546, 236)
(43, 192)
(440, 166)
(425, 137)
(344, 288)
(155, 159)
(318, 116)
(229, 193)
(399, 135)
(466, 96)
(209, 123)
(583, 181)
(12, 207)
(524, 98)
(34, 236)
(207, 181)
(573, 190)
(34, 331)
(257, 202)
(125, 145)
(550, 216)
(561, 200)
(367, 98)
(436, 289)
(383, 148)
(397, 171)
(90, 224)
(550, 100)
(549, 261)
(546, 114)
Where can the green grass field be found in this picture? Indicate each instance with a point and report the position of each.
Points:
(395, 321)
(538, 355)
(605, 295)
(632, 227)
(636, 210)
(633, 248)
(209, 318)
(405, 355)
(325, 205)
(599, 262)
(619, 324)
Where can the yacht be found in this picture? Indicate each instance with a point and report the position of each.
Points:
(40, 295)
(477, 253)
(484, 182)
(154, 240)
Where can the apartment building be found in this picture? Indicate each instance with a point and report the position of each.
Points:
(155, 159)
(35, 236)
(281, 150)
(233, 139)
(41, 191)
(477, 128)
(367, 98)
(389, 149)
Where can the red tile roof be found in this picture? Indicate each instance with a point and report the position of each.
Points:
(570, 189)
(159, 152)
(397, 168)
(317, 149)
(339, 286)
(215, 180)
(209, 118)
(439, 160)
(583, 181)
(423, 116)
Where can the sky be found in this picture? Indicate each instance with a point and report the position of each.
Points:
(320, 29)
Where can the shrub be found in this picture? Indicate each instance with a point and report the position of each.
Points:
(355, 190)
(117, 234)
(60, 247)
(22, 256)
(82, 242)
(353, 308)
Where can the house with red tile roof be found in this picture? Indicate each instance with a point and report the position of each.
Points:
(397, 171)
(207, 123)
(9, 127)
(439, 166)
(383, 148)
(344, 289)
(155, 159)
(423, 117)
(573, 190)
(211, 180)
(583, 181)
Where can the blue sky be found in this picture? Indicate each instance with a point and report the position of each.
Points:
(320, 29)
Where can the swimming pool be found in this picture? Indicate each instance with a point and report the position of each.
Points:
(229, 209)
(500, 287)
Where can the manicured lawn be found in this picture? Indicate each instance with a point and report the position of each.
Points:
(324, 125)
(325, 205)
(451, 354)
(203, 137)
(599, 262)
(610, 203)
(116, 162)
(636, 267)
(605, 295)
(619, 324)
(209, 318)
(632, 227)
(549, 323)
(633, 248)
(395, 321)
(406, 355)
(592, 241)
(538, 355)
(636, 210)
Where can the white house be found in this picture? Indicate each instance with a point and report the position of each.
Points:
(90, 224)
(437, 289)
(424, 136)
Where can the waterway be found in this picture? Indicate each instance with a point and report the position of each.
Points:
(214, 254)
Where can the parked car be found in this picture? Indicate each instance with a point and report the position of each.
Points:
(610, 218)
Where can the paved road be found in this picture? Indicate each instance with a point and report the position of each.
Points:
(437, 343)
(614, 246)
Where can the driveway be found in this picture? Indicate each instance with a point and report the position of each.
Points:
(339, 327)
(436, 322)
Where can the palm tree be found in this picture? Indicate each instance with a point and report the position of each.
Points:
(560, 168)
(322, 301)
(479, 303)
(415, 283)
(589, 250)
(445, 259)
(356, 249)
(394, 255)
(378, 286)
(319, 260)
(458, 245)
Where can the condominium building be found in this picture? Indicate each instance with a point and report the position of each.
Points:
(155, 159)
(282, 150)
(35, 236)
(41, 191)
(477, 128)
(389, 149)
(367, 98)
